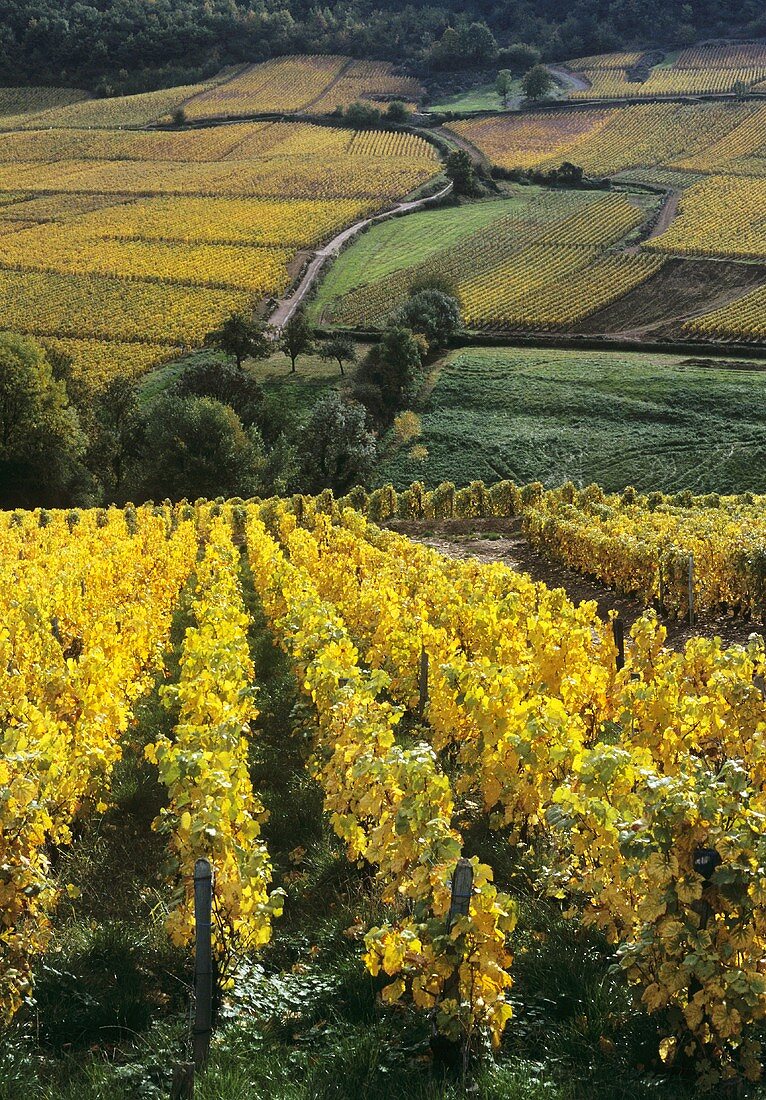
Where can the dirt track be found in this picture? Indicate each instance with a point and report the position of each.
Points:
(287, 306)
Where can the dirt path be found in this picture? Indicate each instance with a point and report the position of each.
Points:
(502, 540)
(667, 214)
(474, 152)
(287, 306)
(573, 81)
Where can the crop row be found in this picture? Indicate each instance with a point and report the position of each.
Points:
(615, 83)
(68, 250)
(719, 216)
(607, 141)
(519, 273)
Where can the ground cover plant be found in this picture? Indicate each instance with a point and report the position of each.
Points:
(656, 422)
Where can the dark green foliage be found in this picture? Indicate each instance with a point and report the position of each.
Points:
(296, 338)
(518, 56)
(397, 111)
(362, 115)
(432, 313)
(537, 82)
(388, 376)
(210, 378)
(137, 44)
(241, 337)
(42, 444)
(460, 169)
(471, 44)
(197, 447)
(117, 431)
(339, 349)
(504, 84)
(338, 451)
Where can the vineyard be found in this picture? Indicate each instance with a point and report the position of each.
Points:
(703, 70)
(710, 137)
(317, 85)
(540, 267)
(719, 216)
(447, 699)
(116, 237)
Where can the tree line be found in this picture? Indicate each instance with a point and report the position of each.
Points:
(132, 45)
(209, 428)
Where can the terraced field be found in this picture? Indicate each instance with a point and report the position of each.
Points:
(701, 70)
(711, 157)
(318, 84)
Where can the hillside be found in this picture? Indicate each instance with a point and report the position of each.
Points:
(383, 551)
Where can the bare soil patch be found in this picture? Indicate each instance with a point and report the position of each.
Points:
(680, 290)
(502, 540)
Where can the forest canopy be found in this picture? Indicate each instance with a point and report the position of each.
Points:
(130, 45)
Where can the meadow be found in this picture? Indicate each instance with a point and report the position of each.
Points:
(655, 422)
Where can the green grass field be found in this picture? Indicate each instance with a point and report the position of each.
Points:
(614, 418)
(484, 98)
(402, 242)
(481, 98)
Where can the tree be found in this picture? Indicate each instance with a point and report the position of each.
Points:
(338, 450)
(398, 111)
(537, 82)
(387, 379)
(197, 447)
(339, 348)
(504, 85)
(296, 338)
(433, 313)
(519, 56)
(42, 444)
(116, 436)
(241, 337)
(477, 44)
(362, 115)
(460, 170)
(207, 377)
(446, 52)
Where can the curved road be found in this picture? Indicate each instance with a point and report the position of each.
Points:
(287, 306)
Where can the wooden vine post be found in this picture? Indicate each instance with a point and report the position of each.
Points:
(618, 629)
(691, 589)
(182, 1086)
(203, 960)
(423, 682)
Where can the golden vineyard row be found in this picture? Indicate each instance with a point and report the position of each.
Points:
(544, 734)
